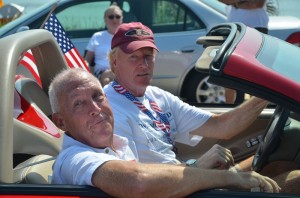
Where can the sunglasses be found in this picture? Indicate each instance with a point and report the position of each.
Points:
(111, 17)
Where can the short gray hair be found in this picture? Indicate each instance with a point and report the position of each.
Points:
(61, 81)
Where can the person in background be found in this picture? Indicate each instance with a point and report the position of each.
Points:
(252, 13)
(92, 155)
(99, 44)
(153, 119)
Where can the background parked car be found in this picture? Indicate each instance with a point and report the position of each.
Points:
(176, 24)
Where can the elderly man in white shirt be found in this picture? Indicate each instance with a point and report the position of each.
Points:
(93, 155)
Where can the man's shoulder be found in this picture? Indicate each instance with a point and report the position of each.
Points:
(72, 150)
(71, 145)
(157, 92)
(109, 91)
(152, 88)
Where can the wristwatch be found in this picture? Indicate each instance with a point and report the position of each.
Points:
(191, 162)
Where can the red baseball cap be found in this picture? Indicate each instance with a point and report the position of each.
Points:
(133, 36)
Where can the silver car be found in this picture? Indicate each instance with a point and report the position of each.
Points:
(176, 23)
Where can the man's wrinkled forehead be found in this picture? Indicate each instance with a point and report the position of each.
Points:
(81, 83)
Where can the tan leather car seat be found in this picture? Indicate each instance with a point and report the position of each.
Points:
(33, 93)
(35, 170)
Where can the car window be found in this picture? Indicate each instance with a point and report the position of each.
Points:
(83, 16)
(290, 69)
(82, 19)
(171, 16)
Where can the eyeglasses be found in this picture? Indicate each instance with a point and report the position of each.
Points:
(111, 17)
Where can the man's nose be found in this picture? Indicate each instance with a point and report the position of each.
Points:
(95, 108)
(144, 61)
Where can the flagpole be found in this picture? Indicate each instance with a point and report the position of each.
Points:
(52, 10)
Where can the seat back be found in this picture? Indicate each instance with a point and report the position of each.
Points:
(35, 111)
(35, 170)
(33, 94)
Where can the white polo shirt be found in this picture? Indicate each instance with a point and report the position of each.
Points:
(77, 162)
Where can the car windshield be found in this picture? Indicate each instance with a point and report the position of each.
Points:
(29, 6)
(9, 26)
(288, 67)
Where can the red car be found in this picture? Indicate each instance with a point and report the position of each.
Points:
(242, 58)
(236, 55)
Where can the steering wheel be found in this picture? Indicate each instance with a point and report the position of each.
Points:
(271, 138)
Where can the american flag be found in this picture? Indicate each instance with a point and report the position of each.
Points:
(29, 62)
(71, 54)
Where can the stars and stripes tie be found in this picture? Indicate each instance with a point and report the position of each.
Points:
(162, 123)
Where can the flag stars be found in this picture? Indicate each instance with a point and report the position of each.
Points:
(53, 25)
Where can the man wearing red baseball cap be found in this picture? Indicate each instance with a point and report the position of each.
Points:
(153, 119)
(133, 36)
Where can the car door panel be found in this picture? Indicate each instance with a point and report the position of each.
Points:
(241, 146)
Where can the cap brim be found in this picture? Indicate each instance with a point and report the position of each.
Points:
(135, 45)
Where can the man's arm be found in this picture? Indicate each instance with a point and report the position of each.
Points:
(89, 56)
(131, 179)
(231, 123)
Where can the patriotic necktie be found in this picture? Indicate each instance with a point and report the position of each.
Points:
(162, 123)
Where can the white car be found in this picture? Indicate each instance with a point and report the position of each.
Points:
(176, 23)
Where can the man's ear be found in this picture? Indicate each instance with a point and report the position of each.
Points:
(114, 63)
(59, 121)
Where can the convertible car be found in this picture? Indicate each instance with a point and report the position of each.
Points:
(238, 57)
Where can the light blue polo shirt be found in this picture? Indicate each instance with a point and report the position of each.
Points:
(77, 162)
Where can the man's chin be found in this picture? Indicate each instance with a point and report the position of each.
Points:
(144, 82)
(104, 136)
(102, 130)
